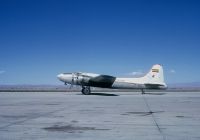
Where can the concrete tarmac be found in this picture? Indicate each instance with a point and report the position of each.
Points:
(101, 116)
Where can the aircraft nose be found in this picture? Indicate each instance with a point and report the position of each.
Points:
(65, 77)
(59, 76)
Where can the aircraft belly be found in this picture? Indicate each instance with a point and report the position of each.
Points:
(126, 85)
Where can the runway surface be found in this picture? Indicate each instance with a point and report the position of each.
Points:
(102, 116)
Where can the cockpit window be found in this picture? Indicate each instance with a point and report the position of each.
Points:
(78, 73)
(75, 73)
(67, 73)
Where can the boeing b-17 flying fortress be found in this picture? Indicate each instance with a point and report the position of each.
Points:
(152, 80)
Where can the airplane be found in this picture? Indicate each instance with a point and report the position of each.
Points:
(154, 79)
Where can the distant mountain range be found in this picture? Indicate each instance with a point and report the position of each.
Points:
(37, 88)
(185, 85)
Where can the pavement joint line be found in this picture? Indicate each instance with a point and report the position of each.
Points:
(153, 117)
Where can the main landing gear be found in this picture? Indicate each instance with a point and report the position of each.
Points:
(86, 90)
(143, 92)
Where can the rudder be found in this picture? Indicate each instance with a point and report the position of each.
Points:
(155, 75)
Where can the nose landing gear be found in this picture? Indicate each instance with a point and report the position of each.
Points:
(86, 90)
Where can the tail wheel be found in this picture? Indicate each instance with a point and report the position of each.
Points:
(86, 90)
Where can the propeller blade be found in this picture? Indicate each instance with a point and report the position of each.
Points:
(71, 86)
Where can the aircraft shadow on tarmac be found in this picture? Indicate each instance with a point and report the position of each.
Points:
(111, 94)
(103, 94)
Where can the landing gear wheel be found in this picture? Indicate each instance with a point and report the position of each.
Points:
(86, 90)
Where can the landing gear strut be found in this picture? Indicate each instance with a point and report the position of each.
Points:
(86, 90)
(143, 92)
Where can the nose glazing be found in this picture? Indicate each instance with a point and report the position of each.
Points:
(59, 76)
(65, 77)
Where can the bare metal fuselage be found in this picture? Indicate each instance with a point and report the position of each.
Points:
(152, 80)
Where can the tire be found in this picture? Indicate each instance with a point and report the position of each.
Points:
(86, 90)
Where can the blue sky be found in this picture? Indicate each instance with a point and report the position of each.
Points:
(40, 39)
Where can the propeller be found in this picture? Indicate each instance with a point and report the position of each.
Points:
(73, 81)
(71, 86)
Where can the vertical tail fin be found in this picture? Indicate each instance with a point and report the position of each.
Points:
(155, 75)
